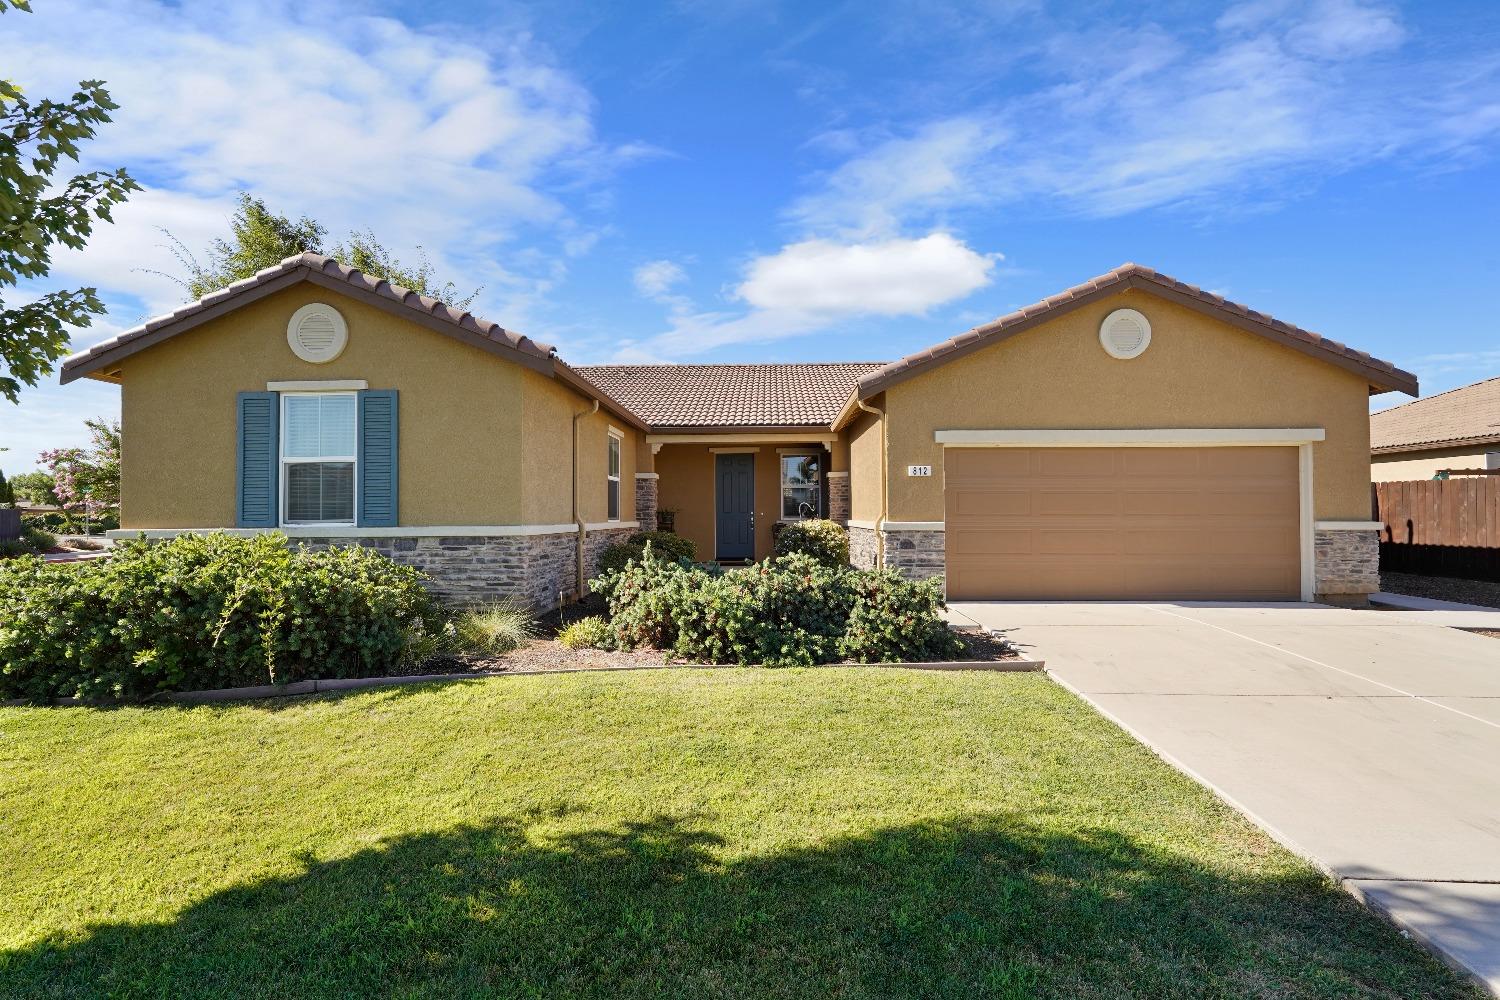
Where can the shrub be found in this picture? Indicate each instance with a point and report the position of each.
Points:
(786, 611)
(895, 620)
(665, 545)
(206, 611)
(495, 628)
(39, 540)
(592, 632)
(825, 541)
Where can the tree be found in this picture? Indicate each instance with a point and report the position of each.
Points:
(86, 481)
(38, 211)
(260, 238)
(34, 488)
(7, 495)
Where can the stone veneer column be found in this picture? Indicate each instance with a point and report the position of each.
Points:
(917, 553)
(861, 547)
(1346, 564)
(838, 497)
(645, 499)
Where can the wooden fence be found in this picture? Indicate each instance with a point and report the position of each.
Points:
(1441, 527)
(10, 523)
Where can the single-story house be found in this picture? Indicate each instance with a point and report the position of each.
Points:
(1130, 437)
(1458, 429)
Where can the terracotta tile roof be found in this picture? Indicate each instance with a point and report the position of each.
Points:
(1382, 374)
(731, 395)
(1470, 415)
(326, 271)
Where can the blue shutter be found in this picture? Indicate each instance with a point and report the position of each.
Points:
(377, 458)
(256, 460)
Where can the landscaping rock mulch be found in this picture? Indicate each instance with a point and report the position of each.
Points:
(1442, 588)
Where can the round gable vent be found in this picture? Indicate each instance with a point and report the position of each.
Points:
(1125, 334)
(317, 333)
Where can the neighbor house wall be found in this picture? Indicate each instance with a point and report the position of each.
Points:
(1197, 373)
(1404, 465)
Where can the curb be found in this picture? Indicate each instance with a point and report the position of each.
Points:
(298, 688)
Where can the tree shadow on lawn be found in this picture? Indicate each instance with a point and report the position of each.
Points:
(991, 906)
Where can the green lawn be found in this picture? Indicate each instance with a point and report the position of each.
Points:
(725, 833)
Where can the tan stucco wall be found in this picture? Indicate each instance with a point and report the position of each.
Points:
(1407, 465)
(465, 449)
(687, 486)
(1197, 372)
(547, 431)
(863, 435)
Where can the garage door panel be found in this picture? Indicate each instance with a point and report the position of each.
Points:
(1122, 523)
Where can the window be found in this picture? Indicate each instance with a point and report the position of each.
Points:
(317, 457)
(801, 486)
(614, 477)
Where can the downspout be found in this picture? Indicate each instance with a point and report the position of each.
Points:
(577, 517)
(885, 485)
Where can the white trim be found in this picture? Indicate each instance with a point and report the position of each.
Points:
(914, 526)
(1165, 437)
(705, 438)
(733, 451)
(345, 531)
(852, 523)
(313, 385)
(1350, 525)
(615, 432)
(839, 475)
(614, 447)
(1306, 548)
(647, 475)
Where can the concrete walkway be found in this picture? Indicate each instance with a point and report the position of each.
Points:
(1367, 741)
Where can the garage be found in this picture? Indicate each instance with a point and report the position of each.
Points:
(1122, 523)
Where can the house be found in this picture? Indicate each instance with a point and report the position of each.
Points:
(1131, 437)
(1458, 429)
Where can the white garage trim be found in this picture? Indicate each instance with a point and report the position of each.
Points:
(1302, 438)
(1164, 437)
(914, 525)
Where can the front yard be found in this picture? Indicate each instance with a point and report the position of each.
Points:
(726, 833)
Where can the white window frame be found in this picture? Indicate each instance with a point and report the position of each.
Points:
(283, 461)
(614, 447)
(782, 455)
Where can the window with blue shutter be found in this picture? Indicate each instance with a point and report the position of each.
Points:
(377, 452)
(257, 457)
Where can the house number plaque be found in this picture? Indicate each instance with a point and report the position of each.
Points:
(919, 470)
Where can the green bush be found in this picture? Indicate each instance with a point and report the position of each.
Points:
(206, 611)
(38, 539)
(895, 620)
(664, 544)
(786, 611)
(825, 541)
(592, 632)
(495, 628)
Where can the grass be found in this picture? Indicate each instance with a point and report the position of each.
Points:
(726, 833)
(495, 628)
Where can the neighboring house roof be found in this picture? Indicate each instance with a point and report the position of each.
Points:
(725, 396)
(1470, 415)
(1382, 375)
(329, 273)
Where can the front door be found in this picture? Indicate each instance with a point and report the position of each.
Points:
(734, 478)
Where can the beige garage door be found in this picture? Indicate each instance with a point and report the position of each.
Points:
(1121, 523)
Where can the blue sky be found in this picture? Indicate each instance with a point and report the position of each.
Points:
(735, 181)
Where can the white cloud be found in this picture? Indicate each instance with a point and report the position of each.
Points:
(1139, 117)
(656, 278)
(358, 121)
(895, 277)
(813, 285)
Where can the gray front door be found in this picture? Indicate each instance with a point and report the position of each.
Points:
(734, 492)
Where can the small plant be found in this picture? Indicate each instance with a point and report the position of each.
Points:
(495, 628)
(39, 540)
(825, 541)
(586, 633)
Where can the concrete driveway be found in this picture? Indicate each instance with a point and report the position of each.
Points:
(1367, 741)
